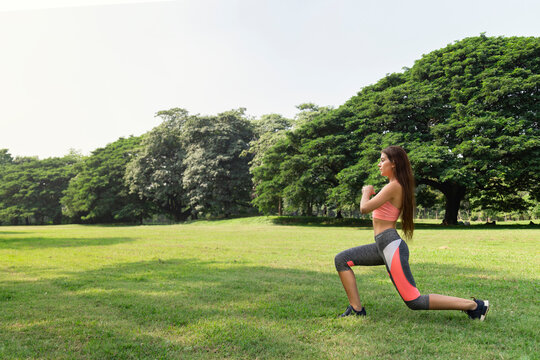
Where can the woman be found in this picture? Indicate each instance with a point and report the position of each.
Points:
(395, 198)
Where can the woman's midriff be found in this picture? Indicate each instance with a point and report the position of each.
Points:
(380, 225)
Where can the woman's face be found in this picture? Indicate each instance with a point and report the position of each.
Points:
(385, 166)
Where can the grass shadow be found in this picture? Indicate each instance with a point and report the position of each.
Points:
(14, 232)
(50, 242)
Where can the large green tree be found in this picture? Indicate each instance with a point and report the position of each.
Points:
(269, 130)
(193, 165)
(98, 192)
(216, 177)
(31, 189)
(467, 114)
(157, 170)
(292, 172)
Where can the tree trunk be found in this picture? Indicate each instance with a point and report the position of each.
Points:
(279, 210)
(339, 215)
(182, 215)
(309, 210)
(454, 194)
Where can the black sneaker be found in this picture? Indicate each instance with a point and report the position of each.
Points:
(350, 311)
(481, 310)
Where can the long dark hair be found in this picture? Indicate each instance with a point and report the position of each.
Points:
(405, 177)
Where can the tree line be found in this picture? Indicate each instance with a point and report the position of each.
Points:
(467, 115)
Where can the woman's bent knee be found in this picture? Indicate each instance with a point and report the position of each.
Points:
(420, 303)
(341, 262)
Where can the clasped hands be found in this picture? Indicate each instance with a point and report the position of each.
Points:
(368, 190)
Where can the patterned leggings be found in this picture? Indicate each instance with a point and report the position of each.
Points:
(390, 250)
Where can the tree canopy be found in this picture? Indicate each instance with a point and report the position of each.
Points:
(216, 177)
(156, 171)
(467, 114)
(31, 189)
(192, 165)
(98, 192)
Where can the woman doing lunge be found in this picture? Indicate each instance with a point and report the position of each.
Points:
(395, 198)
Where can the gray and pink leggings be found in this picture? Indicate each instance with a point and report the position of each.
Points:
(390, 250)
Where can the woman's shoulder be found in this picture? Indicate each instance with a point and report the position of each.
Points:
(393, 186)
(394, 191)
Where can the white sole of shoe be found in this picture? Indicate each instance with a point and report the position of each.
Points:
(486, 304)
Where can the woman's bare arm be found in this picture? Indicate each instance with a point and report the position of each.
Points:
(388, 192)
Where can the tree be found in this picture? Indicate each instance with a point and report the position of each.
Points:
(98, 192)
(216, 177)
(268, 181)
(5, 157)
(14, 189)
(288, 170)
(317, 155)
(30, 189)
(467, 115)
(156, 172)
(269, 130)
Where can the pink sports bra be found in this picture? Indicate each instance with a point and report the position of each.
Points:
(386, 211)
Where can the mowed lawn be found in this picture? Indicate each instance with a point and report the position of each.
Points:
(249, 289)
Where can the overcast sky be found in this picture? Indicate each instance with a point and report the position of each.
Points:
(79, 74)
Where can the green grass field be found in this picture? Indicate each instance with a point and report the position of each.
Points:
(249, 289)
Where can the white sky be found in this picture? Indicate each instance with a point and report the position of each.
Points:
(82, 73)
